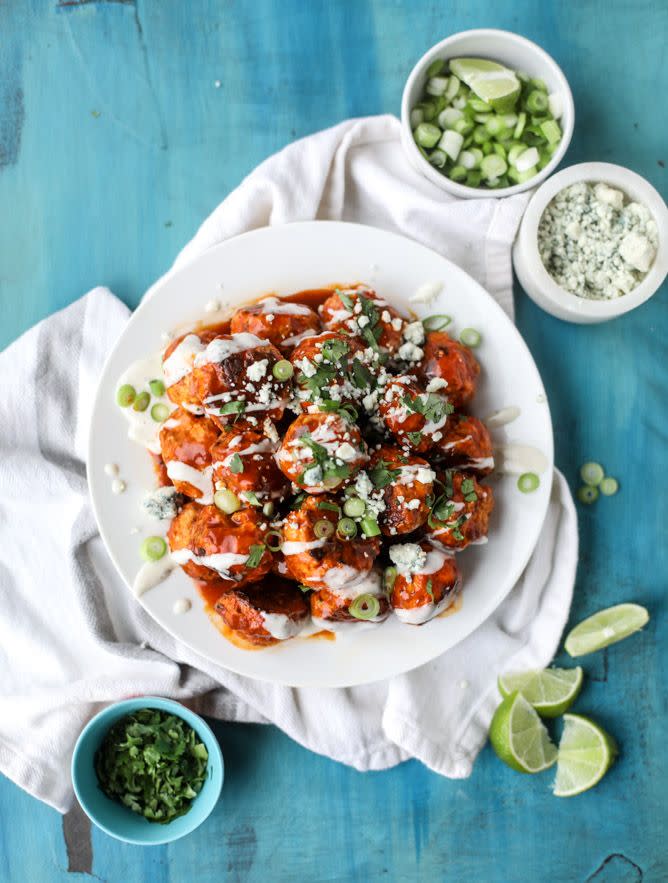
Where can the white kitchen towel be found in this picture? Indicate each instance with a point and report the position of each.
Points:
(71, 636)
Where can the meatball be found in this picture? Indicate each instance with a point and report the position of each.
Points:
(314, 553)
(320, 452)
(360, 311)
(447, 360)
(467, 444)
(415, 418)
(243, 462)
(265, 613)
(353, 603)
(185, 441)
(211, 545)
(408, 483)
(233, 376)
(276, 320)
(178, 362)
(426, 581)
(326, 369)
(461, 515)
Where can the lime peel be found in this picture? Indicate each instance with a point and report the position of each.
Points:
(605, 628)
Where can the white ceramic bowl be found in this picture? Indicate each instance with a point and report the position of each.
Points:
(535, 279)
(515, 52)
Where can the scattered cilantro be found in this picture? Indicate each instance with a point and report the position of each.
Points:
(233, 408)
(152, 762)
(334, 350)
(255, 555)
(331, 507)
(251, 497)
(381, 475)
(429, 589)
(346, 300)
(415, 438)
(298, 500)
(236, 464)
(361, 376)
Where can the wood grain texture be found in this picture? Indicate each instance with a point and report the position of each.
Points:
(115, 142)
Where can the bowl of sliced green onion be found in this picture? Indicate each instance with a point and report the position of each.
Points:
(486, 113)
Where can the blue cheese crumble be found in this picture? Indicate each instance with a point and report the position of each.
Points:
(595, 243)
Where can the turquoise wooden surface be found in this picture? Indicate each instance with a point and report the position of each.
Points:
(115, 142)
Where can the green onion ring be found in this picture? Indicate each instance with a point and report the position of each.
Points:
(364, 607)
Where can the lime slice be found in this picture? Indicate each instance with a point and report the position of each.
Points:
(586, 753)
(519, 738)
(490, 81)
(550, 691)
(606, 627)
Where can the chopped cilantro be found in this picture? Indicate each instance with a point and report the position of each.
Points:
(334, 350)
(429, 589)
(381, 475)
(236, 464)
(361, 376)
(233, 408)
(152, 762)
(345, 299)
(415, 438)
(330, 507)
(251, 497)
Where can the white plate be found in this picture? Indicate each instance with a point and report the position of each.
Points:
(286, 259)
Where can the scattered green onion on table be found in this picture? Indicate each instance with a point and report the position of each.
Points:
(484, 125)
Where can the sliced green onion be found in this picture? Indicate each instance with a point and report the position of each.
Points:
(470, 337)
(551, 130)
(527, 159)
(495, 125)
(453, 88)
(493, 166)
(268, 509)
(331, 507)
(153, 548)
(283, 370)
(159, 413)
(389, 578)
(587, 494)
(451, 143)
(464, 126)
(536, 102)
(457, 173)
(437, 158)
(354, 507)
(157, 387)
(323, 529)
(448, 117)
(609, 486)
(226, 501)
(437, 322)
(273, 540)
(346, 528)
(519, 128)
(370, 527)
(233, 408)
(256, 552)
(479, 106)
(592, 473)
(125, 395)
(364, 607)
(538, 83)
(474, 178)
(417, 117)
(435, 68)
(436, 86)
(427, 135)
(236, 464)
(528, 482)
(141, 401)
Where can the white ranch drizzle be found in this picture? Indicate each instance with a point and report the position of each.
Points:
(414, 472)
(297, 339)
(221, 347)
(422, 614)
(151, 574)
(515, 459)
(180, 362)
(279, 306)
(282, 627)
(503, 416)
(199, 478)
(293, 547)
(142, 428)
(221, 562)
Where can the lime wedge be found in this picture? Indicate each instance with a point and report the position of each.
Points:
(605, 627)
(586, 753)
(490, 81)
(550, 691)
(519, 738)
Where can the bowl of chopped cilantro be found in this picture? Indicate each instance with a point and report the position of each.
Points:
(147, 770)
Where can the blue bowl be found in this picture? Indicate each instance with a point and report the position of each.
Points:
(116, 819)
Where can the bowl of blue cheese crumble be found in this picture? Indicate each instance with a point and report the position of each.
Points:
(593, 243)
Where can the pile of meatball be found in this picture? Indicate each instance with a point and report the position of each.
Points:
(324, 464)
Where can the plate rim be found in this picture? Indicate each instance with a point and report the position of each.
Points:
(148, 298)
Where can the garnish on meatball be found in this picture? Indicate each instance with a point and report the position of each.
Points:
(467, 445)
(265, 613)
(210, 545)
(244, 463)
(445, 359)
(423, 580)
(185, 443)
(360, 311)
(407, 482)
(316, 550)
(415, 418)
(361, 601)
(178, 362)
(278, 321)
(460, 516)
(320, 452)
(330, 369)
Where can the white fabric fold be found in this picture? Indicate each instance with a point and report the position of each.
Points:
(71, 636)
